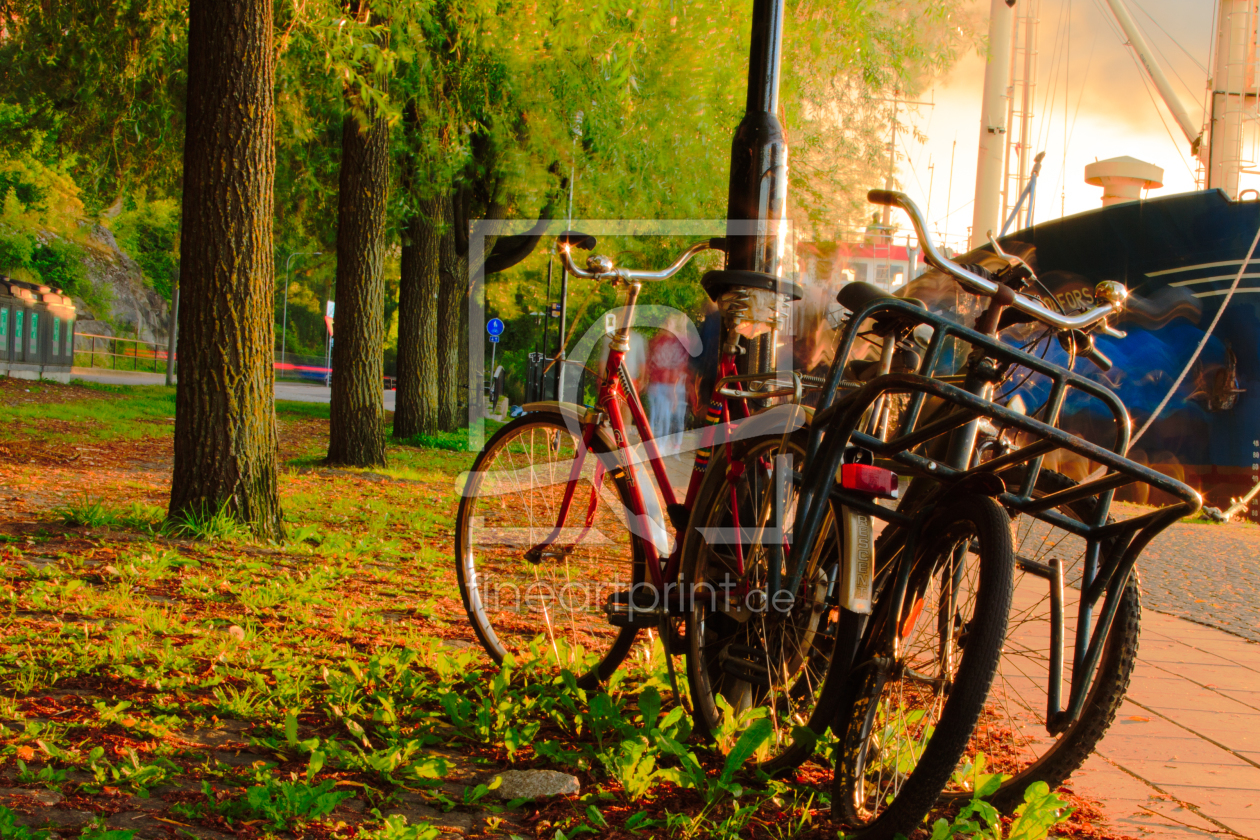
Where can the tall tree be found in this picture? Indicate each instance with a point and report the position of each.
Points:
(416, 401)
(225, 426)
(452, 311)
(356, 435)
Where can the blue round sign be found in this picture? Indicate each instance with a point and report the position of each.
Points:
(494, 326)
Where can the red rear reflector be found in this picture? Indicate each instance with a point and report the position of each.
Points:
(867, 479)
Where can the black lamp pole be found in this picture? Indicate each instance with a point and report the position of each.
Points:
(758, 185)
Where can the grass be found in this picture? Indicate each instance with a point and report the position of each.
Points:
(340, 660)
(100, 412)
(311, 410)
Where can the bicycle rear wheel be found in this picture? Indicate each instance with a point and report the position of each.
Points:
(742, 653)
(924, 669)
(550, 606)
(1013, 732)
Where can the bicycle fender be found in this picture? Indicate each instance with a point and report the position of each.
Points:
(655, 528)
(858, 560)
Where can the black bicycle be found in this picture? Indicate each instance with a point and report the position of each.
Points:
(948, 633)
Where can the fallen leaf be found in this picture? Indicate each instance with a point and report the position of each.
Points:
(1138, 718)
(25, 753)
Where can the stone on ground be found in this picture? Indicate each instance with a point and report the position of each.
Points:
(536, 784)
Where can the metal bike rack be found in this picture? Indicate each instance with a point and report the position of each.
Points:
(841, 410)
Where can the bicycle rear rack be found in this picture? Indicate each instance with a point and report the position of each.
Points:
(836, 425)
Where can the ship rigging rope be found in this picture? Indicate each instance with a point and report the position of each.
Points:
(1202, 342)
(1167, 62)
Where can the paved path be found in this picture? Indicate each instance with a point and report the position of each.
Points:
(1182, 759)
(295, 391)
(1206, 573)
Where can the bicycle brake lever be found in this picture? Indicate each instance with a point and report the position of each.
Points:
(1012, 259)
(1099, 358)
(1082, 344)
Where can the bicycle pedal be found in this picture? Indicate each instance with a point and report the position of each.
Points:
(638, 608)
(745, 663)
(550, 553)
(641, 607)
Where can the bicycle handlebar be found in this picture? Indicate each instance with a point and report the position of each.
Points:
(1113, 296)
(602, 268)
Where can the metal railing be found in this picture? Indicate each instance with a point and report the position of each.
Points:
(118, 353)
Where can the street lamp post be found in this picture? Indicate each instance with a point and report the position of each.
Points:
(288, 278)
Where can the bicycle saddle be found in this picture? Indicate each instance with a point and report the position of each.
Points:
(577, 240)
(718, 282)
(853, 296)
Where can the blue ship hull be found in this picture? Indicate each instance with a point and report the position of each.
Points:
(1178, 255)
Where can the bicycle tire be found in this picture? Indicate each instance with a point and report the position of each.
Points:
(956, 655)
(729, 640)
(1012, 731)
(508, 504)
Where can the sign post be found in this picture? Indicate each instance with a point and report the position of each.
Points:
(495, 328)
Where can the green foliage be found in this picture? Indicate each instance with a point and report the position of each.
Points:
(397, 828)
(10, 830)
(284, 627)
(978, 820)
(456, 441)
(1042, 810)
(93, 513)
(16, 247)
(149, 232)
(280, 804)
(204, 523)
(104, 87)
(130, 773)
(60, 265)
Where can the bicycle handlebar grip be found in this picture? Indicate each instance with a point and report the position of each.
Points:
(887, 198)
(574, 239)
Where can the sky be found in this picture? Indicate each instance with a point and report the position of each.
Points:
(1088, 87)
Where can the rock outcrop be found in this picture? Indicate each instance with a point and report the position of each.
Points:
(135, 310)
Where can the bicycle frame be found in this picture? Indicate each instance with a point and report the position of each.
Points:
(836, 426)
(615, 386)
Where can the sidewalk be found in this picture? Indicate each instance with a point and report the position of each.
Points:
(295, 391)
(1182, 759)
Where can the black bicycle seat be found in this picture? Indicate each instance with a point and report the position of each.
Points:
(577, 240)
(718, 282)
(856, 295)
(864, 370)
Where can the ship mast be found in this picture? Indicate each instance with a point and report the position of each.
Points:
(991, 162)
(1233, 87)
(1019, 151)
(1156, 74)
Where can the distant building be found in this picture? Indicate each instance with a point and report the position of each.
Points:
(875, 260)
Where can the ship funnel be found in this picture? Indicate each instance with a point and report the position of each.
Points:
(1123, 178)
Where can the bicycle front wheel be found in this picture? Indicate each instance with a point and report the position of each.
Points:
(546, 603)
(1013, 732)
(927, 660)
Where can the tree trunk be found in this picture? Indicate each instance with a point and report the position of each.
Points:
(225, 427)
(416, 408)
(356, 435)
(452, 312)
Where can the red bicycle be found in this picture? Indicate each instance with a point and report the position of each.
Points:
(568, 556)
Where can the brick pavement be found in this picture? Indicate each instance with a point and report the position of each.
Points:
(1182, 759)
(1207, 573)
